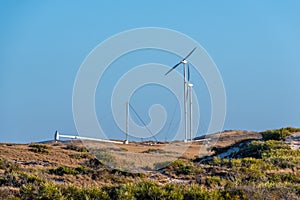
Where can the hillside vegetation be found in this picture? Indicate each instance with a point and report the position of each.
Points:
(260, 168)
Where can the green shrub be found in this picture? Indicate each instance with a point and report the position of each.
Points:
(8, 166)
(63, 170)
(119, 192)
(234, 194)
(182, 167)
(148, 190)
(39, 148)
(83, 170)
(197, 192)
(10, 179)
(69, 170)
(76, 148)
(81, 155)
(73, 192)
(9, 194)
(26, 178)
(278, 134)
(215, 180)
(174, 191)
(45, 190)
(292, 129)
(95, 194)
(93, 163)
(217, 161)
(154, 151)
(263, 148)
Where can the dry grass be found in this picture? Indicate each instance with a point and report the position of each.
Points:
(127, 157)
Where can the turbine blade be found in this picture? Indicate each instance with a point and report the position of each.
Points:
(172, 68)
(188, 71)
(187, 93)
(188, 80)
(190, 53)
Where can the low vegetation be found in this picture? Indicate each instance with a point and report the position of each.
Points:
(39, 148)
(69, 170)
(142, 190)
(279, 134)
(75, 147)
(264, 168)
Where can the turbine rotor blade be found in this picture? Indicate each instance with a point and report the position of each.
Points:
(188, 71)
(187, 93)
(172, 68)
(190, 53)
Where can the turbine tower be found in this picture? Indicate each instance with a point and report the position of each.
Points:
(185, 89)
(190, 86)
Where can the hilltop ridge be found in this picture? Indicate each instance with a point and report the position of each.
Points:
(241, 165)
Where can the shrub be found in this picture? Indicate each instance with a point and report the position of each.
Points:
(39, 148)
(198, 192)
(174, 191)
(63, 170)
(45, 190)
(94, 163)
(95, 194)
(154, 151)
(83, 170)
(9, 194)
(278, 134)
(69, 170)
(148, 190)
(8, 166)
(214, 180)
(119, 192)
(76, 148)
(217, 161)
(80, 155)
(10, 179)
(182, 167)
(26, 178)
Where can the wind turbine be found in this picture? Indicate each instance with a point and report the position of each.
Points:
(184, 62)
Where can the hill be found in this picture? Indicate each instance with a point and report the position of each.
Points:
(241, 165)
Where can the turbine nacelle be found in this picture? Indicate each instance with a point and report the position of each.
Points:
(183, 61)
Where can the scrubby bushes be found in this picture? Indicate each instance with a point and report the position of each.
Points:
(183, 167)
(81, 155)
(141, 190)
(45, 190)
(39, 148)
(75, 147)
(69, 170)
(278, 134)
(261, 169)
(8, 166)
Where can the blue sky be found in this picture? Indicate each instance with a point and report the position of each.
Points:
(255, 45)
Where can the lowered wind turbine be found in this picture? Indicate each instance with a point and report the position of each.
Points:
(184, 62)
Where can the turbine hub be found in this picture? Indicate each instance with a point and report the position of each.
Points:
(184, 61)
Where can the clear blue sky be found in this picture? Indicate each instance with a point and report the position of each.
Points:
(255, 45)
